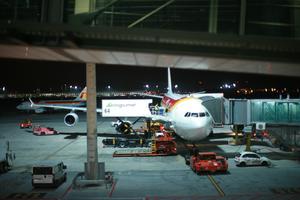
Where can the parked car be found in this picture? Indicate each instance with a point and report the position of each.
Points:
(48, 174)
(26, 124)
(248, 158)
(40, 130)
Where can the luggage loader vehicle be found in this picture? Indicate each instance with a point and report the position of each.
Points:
(161, 144)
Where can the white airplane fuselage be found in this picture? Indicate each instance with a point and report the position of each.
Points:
(190, 119)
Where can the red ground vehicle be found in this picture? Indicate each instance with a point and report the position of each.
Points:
(26, 124)
(40, 130)
(208, 162)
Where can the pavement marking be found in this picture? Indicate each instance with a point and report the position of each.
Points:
(291, 190)
(33, 195)
(216, 185)
(49, 156)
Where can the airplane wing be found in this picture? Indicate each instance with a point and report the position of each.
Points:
(149, 95)
(73, 108)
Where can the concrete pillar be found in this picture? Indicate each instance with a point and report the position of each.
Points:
(213, 16)
(242, 17)
(92, 150)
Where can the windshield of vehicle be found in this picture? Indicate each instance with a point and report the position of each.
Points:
(207, 157)
(238, 155)
(42, 170)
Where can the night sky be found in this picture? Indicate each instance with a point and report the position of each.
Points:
(26, 76)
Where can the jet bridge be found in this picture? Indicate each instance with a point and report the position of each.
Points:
(271, 111)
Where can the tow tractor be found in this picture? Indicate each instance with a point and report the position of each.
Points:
(207, 162)
(162, 144)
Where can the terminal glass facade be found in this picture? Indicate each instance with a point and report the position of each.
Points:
(254, 17)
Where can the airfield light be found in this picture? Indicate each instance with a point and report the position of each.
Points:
(3, 89)
(75, 87)
(108, 87)
(176, 86)
(147, 86)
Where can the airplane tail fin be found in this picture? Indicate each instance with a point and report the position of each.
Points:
(82, 95)
(170, 91)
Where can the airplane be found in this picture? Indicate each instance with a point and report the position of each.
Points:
(80, 100)
(189, 118)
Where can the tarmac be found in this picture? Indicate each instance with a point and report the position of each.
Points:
(137, 177)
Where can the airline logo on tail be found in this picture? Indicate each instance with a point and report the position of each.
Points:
(82, 95)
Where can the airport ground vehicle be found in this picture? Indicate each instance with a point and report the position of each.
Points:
(26, 124)
(40, 130)
(250, 158)
(207, 162)
(161, 144)
(6, 157)
(48, 174)
(124, 142)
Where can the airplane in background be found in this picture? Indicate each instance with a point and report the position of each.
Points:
(189, 118)
(80, 100)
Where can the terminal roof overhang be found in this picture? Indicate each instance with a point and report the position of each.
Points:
(150, 48)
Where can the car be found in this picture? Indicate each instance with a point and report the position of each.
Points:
(26, 124)
(248, 158)
(41, 130)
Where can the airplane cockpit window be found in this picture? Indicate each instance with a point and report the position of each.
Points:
(194, 115)
(202, 114)
(187, 114)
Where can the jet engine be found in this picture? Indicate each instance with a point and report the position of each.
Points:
(71, 119)
(125, 127)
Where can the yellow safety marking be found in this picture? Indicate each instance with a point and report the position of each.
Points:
(114, 141)
(153, 146)
(54, 153)
(216, 185)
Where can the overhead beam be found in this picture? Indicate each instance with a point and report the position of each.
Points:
(149, 14)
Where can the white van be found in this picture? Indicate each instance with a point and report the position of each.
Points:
(48, 174)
